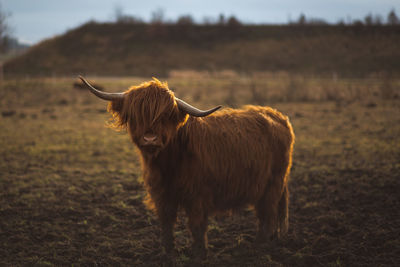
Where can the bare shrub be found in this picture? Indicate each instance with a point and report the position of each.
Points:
(258, 96)
(296, 89)
(231, 99)
(389, 89)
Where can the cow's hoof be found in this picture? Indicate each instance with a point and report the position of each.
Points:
(263, 239)
(167, 260)
(199, 256)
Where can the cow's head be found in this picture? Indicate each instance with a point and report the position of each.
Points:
(150, 112)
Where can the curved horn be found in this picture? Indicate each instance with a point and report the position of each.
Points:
(102, 95)
(194, 111)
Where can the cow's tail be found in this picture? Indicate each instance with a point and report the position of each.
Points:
(283, 212)
(283, 206)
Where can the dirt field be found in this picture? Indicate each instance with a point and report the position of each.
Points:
(71, 193)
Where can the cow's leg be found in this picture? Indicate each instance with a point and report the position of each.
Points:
(167, 213)
(283, 212)
(267, 213)
(272, 207)
(198, 220)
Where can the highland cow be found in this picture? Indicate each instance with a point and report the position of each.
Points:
(205, 162)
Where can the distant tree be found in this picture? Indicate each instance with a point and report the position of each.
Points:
(349, 20)
(358, 22)
(4, 31)
(121, 17)
(302, 19)
(369, 20)
(221, 19)
(130, 19)
(118, 12)
(208, 20)
(185, 20)
(316, 21)
(233, 22)
(377, 20)
(341, 22)
(392, 18)
(158, 16)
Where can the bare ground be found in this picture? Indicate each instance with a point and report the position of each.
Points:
(71, 193)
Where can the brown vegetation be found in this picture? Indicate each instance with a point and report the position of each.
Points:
(71, 193)
(122, 49)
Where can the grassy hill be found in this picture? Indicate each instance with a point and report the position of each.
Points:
(121, 49)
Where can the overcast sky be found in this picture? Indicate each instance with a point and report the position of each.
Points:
(34, 20)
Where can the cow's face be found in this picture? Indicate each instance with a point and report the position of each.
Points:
(150, 112)
(151, 116)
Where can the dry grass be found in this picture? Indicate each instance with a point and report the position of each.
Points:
(269, 87)
(70, 190)
(131, 49)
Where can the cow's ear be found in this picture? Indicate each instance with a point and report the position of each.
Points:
(119, 112)
(116, 106)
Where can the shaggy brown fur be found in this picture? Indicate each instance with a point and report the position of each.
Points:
(229, 159)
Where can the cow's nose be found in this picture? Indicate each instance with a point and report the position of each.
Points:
(150, 138)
